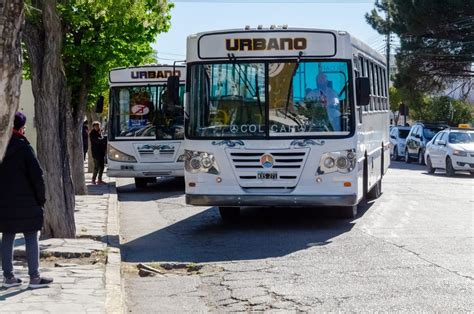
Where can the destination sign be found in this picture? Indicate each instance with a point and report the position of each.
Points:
(146, 74)
(267, 44)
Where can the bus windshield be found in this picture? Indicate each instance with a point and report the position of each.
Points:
(145, 112)
(270, 99)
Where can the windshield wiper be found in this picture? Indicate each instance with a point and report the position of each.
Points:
(245, 79)
(241, 73)
(297, 64)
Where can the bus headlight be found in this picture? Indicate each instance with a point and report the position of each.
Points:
(200, 162)
(116, 155)
(329, 162)
(342, 161)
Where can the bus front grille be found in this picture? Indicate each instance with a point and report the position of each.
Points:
(265, 170)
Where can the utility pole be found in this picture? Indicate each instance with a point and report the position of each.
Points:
(388, 43)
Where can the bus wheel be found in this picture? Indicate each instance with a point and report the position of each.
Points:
(376, 191)
(229, 214)
(140, 183)
(347, 212)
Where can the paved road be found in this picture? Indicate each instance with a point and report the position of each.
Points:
(411, 250)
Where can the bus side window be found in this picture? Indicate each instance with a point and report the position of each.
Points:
(385, 90)
(372, 89)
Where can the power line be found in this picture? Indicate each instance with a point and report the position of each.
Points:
(170, 54)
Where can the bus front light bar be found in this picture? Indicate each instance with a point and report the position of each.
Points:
(341, 161)
(200, 162)
(116, 155)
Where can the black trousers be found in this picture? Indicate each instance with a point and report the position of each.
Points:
(99, 165)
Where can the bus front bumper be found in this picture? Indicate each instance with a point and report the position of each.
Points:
(271, 200)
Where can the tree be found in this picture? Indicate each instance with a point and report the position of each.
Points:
(445, 109)
(436, 42)
(100, 35)
(11, 21)
(43, 39)
(79, 40)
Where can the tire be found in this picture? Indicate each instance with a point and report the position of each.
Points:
(429, 166)
(395, 156)
(376, 191)
(407, 157)
(229, 214)
(140, 183)
(347, 212)
(421, 158)
(449, 167)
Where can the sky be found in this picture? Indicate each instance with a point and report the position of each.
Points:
(194, 16)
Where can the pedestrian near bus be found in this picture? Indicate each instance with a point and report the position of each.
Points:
(98, 148)
(22, 197)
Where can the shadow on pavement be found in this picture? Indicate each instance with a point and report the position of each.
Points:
(403, 165)
(97, 189)
(260, 233)
(457, 175)
(6, 293)
(163, 188)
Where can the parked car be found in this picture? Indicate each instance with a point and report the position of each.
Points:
(420, 134)
(398, 135)
(451, 149)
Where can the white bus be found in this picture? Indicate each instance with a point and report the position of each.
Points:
(284, 117)
(146, 128)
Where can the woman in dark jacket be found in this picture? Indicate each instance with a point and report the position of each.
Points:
(98, 148)
(22, 196)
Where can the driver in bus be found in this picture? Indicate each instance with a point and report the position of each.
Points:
(327, 97)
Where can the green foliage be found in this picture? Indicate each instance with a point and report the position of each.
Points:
(103, 34)
(445, 109)
(396, 98)
(436, 41)
(382, 24)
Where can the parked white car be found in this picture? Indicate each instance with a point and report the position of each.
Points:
(451, 149)
(398, 135)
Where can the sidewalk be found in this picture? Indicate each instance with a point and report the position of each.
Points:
(86, 270)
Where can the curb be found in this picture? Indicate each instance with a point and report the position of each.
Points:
(113, 276)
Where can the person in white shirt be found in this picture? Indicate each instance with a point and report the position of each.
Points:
(328, 98)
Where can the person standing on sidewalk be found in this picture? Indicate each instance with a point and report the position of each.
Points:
(98, 148)
(22, 197)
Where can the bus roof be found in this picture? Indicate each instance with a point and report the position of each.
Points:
(337, 44)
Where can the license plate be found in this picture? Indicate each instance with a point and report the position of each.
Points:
(267, 175)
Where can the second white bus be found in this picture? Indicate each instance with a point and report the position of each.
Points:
(146, 128)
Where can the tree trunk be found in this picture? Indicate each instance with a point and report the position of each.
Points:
(43, 40)
(11, 22)
(75, 145)
(76, 152)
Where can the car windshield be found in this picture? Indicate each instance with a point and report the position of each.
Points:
(145, 112)
(284, 99)
(403, 133)
(461, 137)
(430, 132)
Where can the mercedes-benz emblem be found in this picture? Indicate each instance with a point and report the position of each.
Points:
(234, 128)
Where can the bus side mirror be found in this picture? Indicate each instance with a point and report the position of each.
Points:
(99, 105)
(362, 91)
(173, 89)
